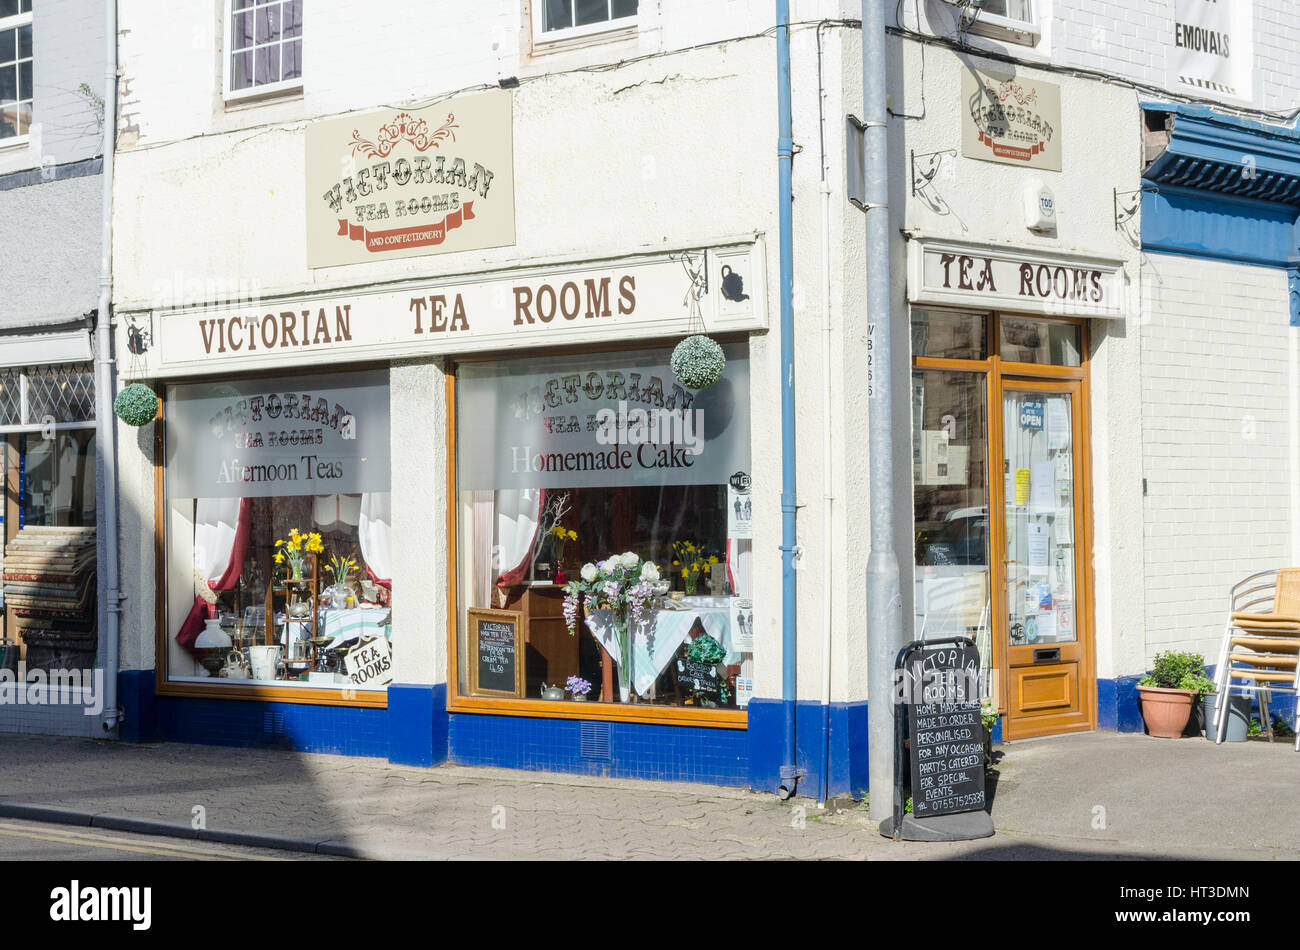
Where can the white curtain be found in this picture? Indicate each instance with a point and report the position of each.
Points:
(216, 521)
(518, 512)
(483, 564)
(330, 511)
(375, 529)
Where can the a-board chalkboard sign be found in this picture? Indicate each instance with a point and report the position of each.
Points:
(496, 652)
(945, 730)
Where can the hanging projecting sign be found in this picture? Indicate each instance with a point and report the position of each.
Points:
(1030, 281)
(1210, 50)
(1015, 120)
(643, 296)
(407, 182)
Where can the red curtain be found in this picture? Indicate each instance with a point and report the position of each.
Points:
(202, 610)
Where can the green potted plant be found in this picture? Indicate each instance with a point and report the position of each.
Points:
(1167, 693)
(989, 715)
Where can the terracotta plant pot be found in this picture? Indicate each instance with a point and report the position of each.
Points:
(1165, 711)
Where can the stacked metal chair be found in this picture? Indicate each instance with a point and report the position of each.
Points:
(1261, 644)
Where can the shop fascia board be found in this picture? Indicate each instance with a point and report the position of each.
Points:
(1113, 270)
(719, 315)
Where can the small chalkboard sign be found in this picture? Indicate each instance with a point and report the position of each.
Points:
(945, 730)
(698, 678)
(496, 652)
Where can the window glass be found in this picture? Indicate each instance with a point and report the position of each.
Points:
(1022, 10)
(278, 529)
(606, 511)
(57, 479)
(16, 95)
(1040, 341)
(265, 43)
(565, 14)
(951, 498)
(948, 334)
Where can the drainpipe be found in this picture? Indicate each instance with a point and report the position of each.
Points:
(105, 429)
(884, 603)
(828, 494)
(785, 155)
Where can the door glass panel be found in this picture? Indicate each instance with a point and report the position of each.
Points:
(1040, 342)
(1039, 484)
(949, 417)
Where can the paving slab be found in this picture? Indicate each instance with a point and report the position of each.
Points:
(1092, 797)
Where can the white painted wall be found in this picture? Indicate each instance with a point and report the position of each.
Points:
(672, 151)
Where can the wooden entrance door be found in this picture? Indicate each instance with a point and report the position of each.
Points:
(1044, 623)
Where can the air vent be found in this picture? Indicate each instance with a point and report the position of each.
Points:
(273, 723)
(594, 741)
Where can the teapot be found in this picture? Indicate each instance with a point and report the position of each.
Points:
(236, 667)
(552, 692)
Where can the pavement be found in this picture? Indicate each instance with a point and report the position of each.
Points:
(1095, 796)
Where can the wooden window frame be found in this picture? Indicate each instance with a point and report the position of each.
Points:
(540, 708)
(248, 690)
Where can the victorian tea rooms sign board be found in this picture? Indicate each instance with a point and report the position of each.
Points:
(644, 296)
(407, 182)
(1014, 120)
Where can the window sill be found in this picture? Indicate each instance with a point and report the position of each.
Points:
(596, 711)
(1006, 31)
(371, 698)
(262, 95)
(565, 40)
(15, 143)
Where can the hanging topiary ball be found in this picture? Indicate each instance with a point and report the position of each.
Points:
(136, 404)
(698, 362)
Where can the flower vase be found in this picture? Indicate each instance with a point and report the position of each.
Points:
(622, 632)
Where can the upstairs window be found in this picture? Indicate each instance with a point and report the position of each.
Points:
(265, 44)
(1005, 19)
(15, 70)
(568, 19)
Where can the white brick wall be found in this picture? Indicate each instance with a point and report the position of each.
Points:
(1132, 39)
(1218, 431)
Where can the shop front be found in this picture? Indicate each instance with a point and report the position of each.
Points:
(446, 520)
(1002, 470)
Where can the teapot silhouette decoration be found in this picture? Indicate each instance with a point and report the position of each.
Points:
(733, 285)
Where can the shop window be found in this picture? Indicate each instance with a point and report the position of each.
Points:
(603, 537)
(278, 526)
(556, 20)
(265, 44)
(951, 498)
(1040, 341)
(15, 70)
(952, 335)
